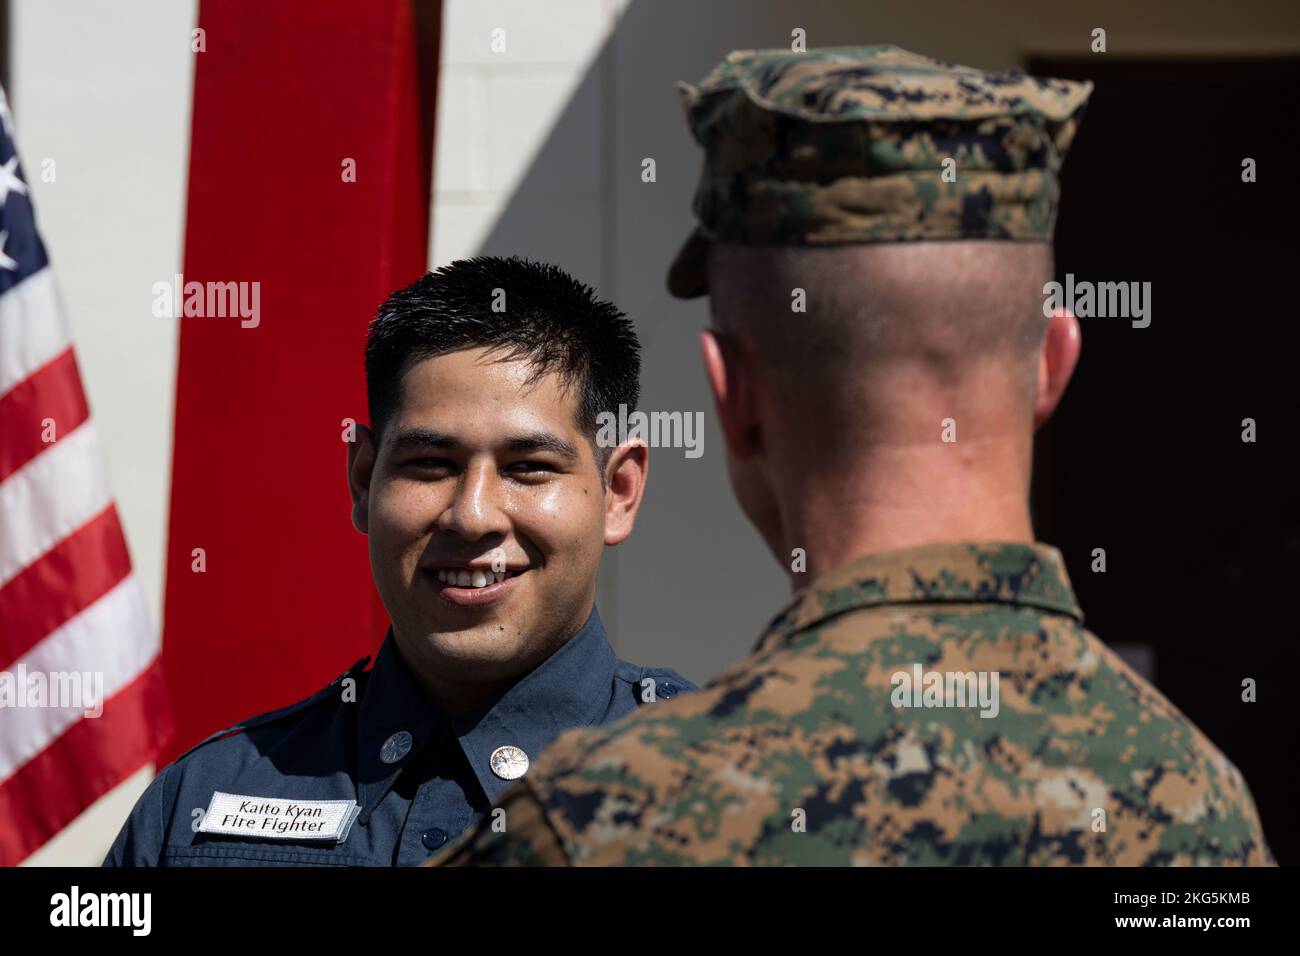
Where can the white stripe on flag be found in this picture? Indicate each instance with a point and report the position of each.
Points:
(112, 637)
(32, 329)
(51, 496)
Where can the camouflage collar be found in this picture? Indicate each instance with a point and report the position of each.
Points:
(1030, 575)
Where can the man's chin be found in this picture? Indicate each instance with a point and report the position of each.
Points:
(487, 651)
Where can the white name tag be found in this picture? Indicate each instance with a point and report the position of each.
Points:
(275, 818)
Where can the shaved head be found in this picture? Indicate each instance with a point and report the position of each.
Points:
(883, 395)
(946, 315)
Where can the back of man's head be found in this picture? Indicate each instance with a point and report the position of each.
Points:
(868, 342)
(874, 231)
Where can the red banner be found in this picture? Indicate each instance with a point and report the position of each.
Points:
(308, 202)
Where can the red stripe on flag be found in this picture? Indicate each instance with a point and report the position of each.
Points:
(285, 600)
(63, 582)
(90, 758)
(53, 391)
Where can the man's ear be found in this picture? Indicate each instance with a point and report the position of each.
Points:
(361, 465)
(1056, 362)
(730, 380)
(625, 478)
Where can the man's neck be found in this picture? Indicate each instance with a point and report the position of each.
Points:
(903, 496)
(453, 698)
(457, 689)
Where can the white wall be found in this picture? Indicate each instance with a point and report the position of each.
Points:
(104, 91)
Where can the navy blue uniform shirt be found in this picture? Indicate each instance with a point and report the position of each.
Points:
(407, 780)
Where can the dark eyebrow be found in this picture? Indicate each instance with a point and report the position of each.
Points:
(414, 439)
(542, 441)
(410, 439)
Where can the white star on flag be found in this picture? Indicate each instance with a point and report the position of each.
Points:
(9, 181)
(5, 261)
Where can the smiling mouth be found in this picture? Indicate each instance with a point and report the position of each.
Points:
(482, 588)
(474, 578)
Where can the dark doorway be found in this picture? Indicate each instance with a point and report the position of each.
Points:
(1145, 456)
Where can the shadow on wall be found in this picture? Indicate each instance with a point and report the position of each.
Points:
(694, 585)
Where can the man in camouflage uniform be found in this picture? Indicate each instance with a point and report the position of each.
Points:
(875, 236)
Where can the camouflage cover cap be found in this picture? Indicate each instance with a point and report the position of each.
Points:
(847, 144)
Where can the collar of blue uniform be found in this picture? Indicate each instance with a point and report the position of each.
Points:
(1030, 575)
(571, 688)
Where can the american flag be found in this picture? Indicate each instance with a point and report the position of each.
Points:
(82, 702)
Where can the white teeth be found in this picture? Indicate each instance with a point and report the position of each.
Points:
(477, 578)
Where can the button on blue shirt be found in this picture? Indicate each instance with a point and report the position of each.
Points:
(418, 779)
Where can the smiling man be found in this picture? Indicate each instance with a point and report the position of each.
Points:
(487, 502)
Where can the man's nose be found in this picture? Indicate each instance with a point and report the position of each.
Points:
(477, 508)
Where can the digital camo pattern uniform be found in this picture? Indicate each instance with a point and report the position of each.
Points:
(848, 144)
(806, 723)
